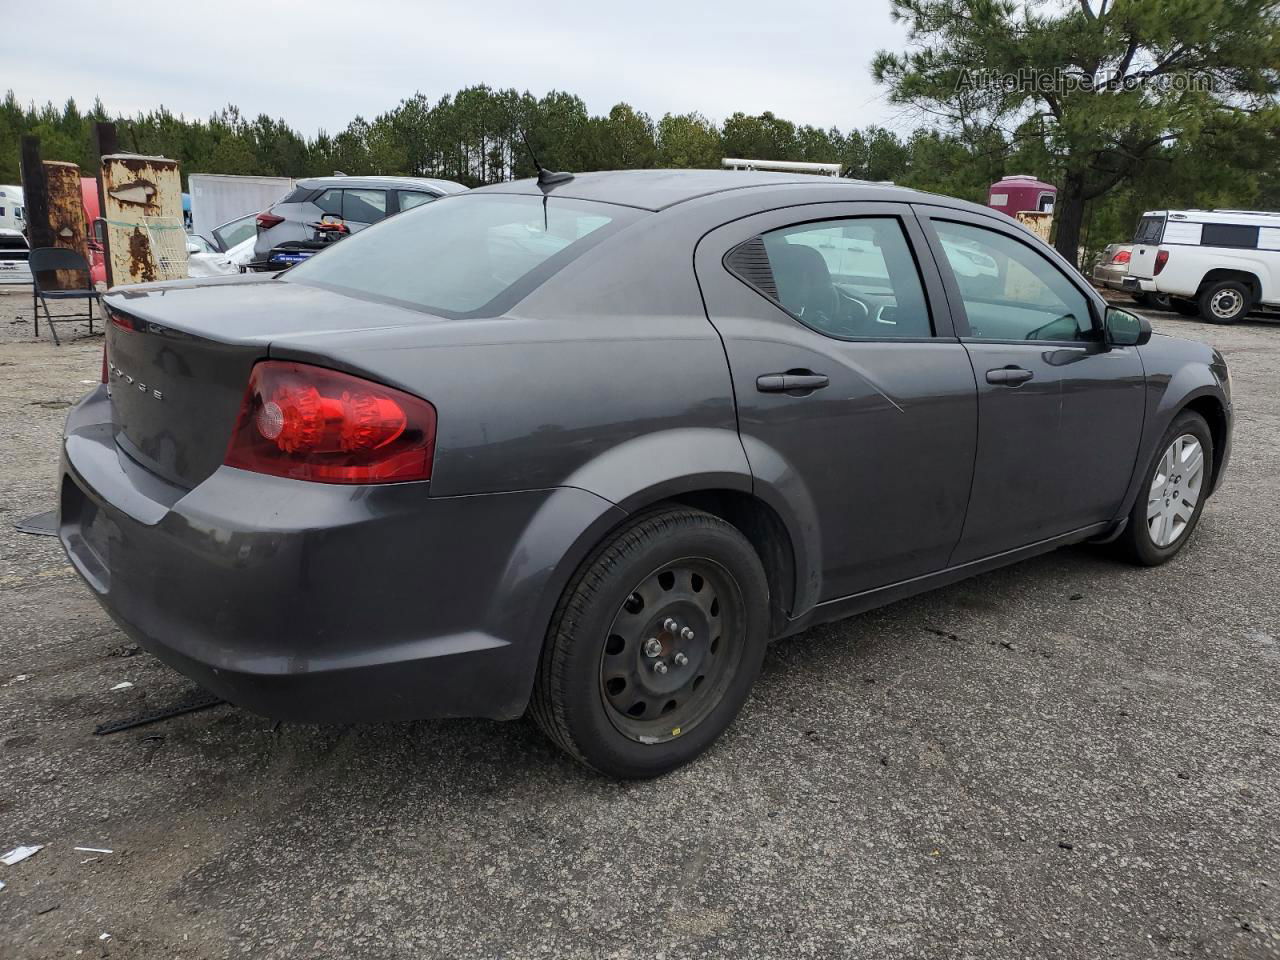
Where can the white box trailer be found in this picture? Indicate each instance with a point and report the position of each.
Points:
(218, 197)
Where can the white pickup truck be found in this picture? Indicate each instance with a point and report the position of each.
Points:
(1219, 264)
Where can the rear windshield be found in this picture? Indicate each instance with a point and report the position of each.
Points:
(1150, 230)
(466, 255)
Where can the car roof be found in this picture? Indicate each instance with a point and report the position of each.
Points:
(659, 189)
(386, 183)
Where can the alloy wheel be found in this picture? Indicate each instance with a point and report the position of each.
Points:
(1175, 490)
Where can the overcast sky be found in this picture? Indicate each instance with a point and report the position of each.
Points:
(318, 64)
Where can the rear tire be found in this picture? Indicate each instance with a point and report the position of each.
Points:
(1225, 302)
(1173, 493)
(598, 693)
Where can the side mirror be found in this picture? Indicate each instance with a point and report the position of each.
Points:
(1125, 329)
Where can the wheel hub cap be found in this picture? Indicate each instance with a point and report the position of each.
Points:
(1225, 304)
(1175, 490)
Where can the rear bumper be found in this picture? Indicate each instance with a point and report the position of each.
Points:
(321, 602)
(1109, 277)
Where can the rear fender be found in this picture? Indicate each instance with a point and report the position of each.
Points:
(605, 493)
(661, 466)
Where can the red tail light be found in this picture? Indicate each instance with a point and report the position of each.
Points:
(1162, 257)
(311, 423)
(1122, 256)
(267, 220)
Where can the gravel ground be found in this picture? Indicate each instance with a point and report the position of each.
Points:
(1067, 758)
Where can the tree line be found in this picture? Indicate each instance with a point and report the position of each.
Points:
(1112, 154)
(475, 137)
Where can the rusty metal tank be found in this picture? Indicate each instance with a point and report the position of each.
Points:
(142, 206)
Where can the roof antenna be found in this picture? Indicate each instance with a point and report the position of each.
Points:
(546, 178)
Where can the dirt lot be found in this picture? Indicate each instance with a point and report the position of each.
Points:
(1068, 758)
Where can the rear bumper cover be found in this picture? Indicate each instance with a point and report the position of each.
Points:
(322, 602)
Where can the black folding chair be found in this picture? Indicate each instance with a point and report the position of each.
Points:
(45, 260)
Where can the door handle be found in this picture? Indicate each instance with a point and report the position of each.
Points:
(792, 380)
(1009, 376)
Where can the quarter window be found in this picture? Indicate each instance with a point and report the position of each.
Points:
(852, 278)
(1010, 292)
(414, 198)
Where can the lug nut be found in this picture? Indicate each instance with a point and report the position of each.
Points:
(659, 667)
(670, 625)
(681, 659)
(686, 633)
(652, 647)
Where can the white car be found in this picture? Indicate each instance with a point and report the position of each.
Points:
(1217, 263)
(218, 264)
(14, 255)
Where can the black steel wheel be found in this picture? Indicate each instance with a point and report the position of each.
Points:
(655, 644)
(671, 649)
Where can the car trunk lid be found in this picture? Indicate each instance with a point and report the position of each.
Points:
(179, 359)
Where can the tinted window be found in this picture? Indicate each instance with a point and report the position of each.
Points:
(1228, 235)
(297, 195)
(364, 206)
(414, 198)
(330, 202)
(1150, 230)
(469, 255)
(849, 278)
(1010, 291)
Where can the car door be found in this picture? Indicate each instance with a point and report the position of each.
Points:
(852, 390)
(1059, 412)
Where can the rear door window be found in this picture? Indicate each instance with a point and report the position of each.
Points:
(364, 206)
(470, 255)
(330, 202)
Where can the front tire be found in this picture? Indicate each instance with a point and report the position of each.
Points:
(1225, 302)
(1173, 493)
(654, 645)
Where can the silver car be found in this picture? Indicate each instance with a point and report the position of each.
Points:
(286, 234)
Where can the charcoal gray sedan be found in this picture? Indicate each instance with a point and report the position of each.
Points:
(583, 447)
